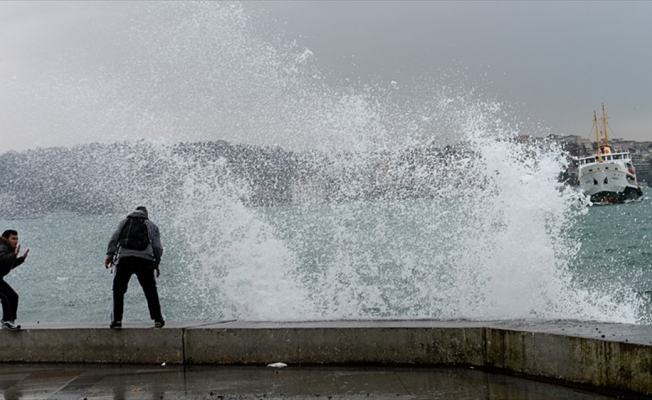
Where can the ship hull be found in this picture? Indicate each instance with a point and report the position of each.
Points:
(608, 197)
(609, 182)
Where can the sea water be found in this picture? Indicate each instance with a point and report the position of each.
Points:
(384, 261)
(487, 232)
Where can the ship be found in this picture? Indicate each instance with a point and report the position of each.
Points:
(607, 177)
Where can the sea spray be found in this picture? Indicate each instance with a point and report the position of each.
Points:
(234, 262)
(530, 250)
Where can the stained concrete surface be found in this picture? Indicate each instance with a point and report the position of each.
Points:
(67, 382)
(606, 356)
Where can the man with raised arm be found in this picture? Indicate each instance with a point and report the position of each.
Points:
(9, 259)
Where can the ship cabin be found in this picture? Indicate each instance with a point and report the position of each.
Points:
(625, 157)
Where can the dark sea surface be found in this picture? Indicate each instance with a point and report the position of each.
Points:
(616, 250)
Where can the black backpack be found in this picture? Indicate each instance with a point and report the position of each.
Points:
(134, 234)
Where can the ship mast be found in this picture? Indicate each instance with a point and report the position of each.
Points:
(604, 129)
(597, 135)
(601, 136)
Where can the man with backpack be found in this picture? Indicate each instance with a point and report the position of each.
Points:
(135, 247)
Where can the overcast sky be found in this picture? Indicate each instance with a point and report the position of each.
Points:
(553, 61)
(558, 60)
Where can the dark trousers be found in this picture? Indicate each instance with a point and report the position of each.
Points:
(144, 270)
(9, 299)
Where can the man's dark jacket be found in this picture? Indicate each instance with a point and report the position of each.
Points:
(8, 258)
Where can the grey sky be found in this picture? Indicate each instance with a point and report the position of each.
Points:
(557, 60)
(66, 68)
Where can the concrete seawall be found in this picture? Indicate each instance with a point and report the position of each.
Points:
(614, 356)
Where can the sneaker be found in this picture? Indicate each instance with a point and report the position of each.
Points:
(11, 325)
(159, 324)
(116, 325)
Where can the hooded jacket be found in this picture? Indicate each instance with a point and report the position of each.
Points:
(154, 250)
(8, 258)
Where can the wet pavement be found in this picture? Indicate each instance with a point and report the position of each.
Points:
(57, 381)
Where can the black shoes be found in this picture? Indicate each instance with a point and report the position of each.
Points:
(11, 325)
(159, 324)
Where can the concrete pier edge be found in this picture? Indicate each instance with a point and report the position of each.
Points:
(602, 355)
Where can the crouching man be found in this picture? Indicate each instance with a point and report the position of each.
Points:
(9, 259)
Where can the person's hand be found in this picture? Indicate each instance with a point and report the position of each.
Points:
(25, 254)
(107, 262)
(17, 250)
(158, 272)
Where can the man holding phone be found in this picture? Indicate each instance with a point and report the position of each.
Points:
(9, 259)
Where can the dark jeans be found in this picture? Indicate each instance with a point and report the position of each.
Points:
(144, 270)
(9, 299)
